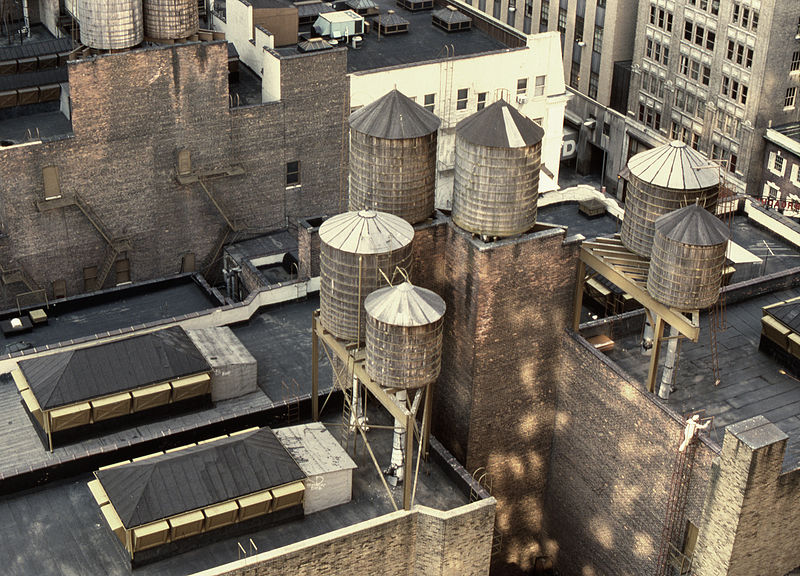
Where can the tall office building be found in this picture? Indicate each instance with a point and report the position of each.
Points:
(716, 74)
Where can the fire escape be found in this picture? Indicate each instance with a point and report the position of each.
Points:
(187, 176)
(114, 245)
(672, 558)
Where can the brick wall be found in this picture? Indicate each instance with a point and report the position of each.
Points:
(751, 522)
(308, 246)
(132, 112)
(422, 542)
(610, 469)
(494, 402)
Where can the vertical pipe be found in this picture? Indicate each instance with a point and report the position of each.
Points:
(651, 376)
(667, 378)
(26, 18)
(409, 458)
(426, 419)
(647, 337)
(578, 303)
(397, 466)
(314, 369)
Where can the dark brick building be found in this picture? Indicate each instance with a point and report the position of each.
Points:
(159, 166)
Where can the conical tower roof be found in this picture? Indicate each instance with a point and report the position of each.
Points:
(694, 226)
(366, 232)
(394, 116)
(674, 165)
(500, 125)
(405, 305)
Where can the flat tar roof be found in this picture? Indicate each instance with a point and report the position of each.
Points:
(279, 337)
(421, 43)
(115, 309)
(750, 380)
(58, 529)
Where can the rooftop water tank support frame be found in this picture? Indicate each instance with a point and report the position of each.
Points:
(628, 271)
(381, 394)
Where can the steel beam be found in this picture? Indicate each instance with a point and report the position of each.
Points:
(671, 316)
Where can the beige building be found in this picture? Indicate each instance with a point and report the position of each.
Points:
(716, 74)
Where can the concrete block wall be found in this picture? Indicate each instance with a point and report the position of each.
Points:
(751, 523)
(422, 542)
(611, 464)
(495, 400)
(131, 114)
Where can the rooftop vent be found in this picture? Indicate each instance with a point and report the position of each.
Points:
(363, 7)
(451, 20)
(313, 45)
(415, 5)
(308, 11)
(392, 24)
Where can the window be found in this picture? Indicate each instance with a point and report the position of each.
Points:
(461, 101)
(430, 102)
(727, 157)
(90, 279)
(575, 75)
(562, 20)
(184, 162)
(656, 52)
(744, 16)
(649, 116)
(122, 269)
(597, 41)
(578, 28)
(699, 35)
(791, 93)
(52, 185)
(734, 89)
(293, 173)
(481, 100)
(544, 17)
(694, 70)
(711, 38)
(795, 61)
(528, 8)
(522, 86)
(778, 164)
(606, 129)
(538, 89)
(593, 82)
(496, 9)
(739, 53)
